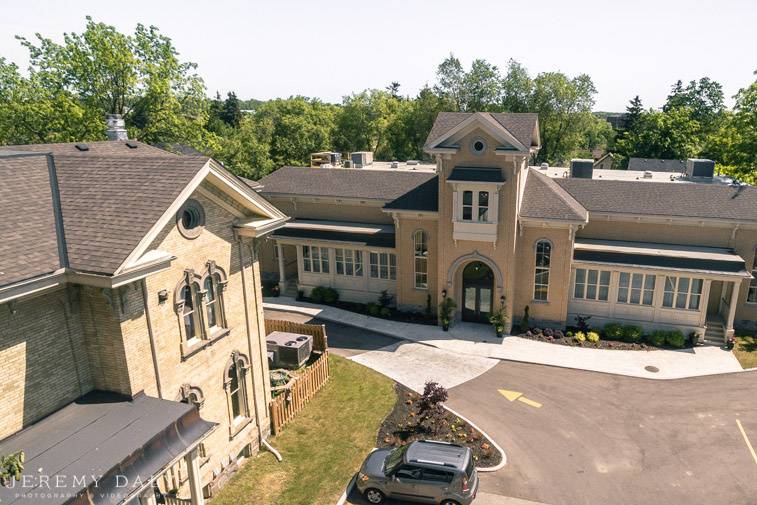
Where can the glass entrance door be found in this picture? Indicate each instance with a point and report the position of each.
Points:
(478, 292)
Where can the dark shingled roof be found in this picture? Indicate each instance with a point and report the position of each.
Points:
(423, 198)
(101, 434)
(466, 174)
(29, 240)
(695, 200)
(110, 203)
(657, 165)
(96, 148)
(543, 198)
(520, 124)
(660, 261)
(342, 182)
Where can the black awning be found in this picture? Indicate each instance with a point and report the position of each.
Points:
(474, 174)
(121, 441)
(369, 239)
(660, 261)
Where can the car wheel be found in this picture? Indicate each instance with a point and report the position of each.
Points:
(374, 496)
(449, 502)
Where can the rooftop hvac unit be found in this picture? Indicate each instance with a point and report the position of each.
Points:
(361, 158)
(581, 169)
(290, 350)
(325, 158)
(413, 162)
(544, 166)
(395, 164)
(347, 164)
(700, 168)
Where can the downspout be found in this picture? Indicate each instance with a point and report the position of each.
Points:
(261, 439)
(150, 333)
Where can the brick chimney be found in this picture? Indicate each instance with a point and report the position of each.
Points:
(116, 127)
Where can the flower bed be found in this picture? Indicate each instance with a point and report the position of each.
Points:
(405, 424)
(559, 337)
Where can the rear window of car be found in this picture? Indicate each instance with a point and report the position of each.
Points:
(470, 468)
(394, 458)
(437, 475)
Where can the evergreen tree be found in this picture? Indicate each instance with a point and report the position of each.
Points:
(633, 113)
(231, 113)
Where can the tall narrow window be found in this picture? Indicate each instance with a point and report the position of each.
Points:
(483, 206)
(235, 385)
(751, 296)
(190, 313)
(467, 205)
(234, 391)
(420, 242)
(211, 301)
(541, 273)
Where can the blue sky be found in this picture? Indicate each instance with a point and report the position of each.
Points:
(330, 48)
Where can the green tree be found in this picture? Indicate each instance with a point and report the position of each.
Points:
(659, 134)
(634, 112)
(517, 87)
(363, 122)
(231, 113)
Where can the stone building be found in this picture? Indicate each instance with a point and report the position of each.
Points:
(484, 228)
(131, 329)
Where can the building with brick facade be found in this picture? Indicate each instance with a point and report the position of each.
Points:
(131, 328)
(481, 226)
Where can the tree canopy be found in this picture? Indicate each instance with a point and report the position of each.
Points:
(70, 86)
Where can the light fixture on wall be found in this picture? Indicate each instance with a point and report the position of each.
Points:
(502, 300)
(162, 295)
(444, 293)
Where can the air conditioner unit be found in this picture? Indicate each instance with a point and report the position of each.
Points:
(290, 350)
(361, 158)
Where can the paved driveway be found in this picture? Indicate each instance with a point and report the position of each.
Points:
(604, 439)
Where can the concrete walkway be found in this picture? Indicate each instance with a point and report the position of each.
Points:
(479, 341)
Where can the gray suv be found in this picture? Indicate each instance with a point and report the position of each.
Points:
(424, 471)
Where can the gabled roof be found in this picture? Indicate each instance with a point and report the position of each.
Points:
(523, 126)
(657, 165)
(28, 231)
(96, 148)
(664, 199)
(384, 185)
(72, 215)
(543, 198)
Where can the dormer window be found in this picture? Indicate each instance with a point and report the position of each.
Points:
(475, 206)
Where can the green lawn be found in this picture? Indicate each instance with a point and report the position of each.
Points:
(745, 350)
(322, 447)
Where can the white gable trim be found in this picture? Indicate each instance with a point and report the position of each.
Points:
(485, 121)
(219, 177)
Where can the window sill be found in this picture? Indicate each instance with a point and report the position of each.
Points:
(238, 425)
(191, 347)
(540, 302)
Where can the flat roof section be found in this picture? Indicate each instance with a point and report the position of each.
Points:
(709, 260)
(106, 435)
(369, 235)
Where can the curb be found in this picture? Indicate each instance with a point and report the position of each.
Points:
(304, 311)
(485, 469)
(343, 499)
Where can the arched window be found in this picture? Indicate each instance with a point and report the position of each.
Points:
(751, 296)
(212, 302)
(420, 243)
(191, 395)
(541, 272)
(235, 385)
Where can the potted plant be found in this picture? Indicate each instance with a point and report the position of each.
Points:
(445, 312)
(730, 342)
(498, 319)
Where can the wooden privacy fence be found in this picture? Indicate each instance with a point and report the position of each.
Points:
(308, 382)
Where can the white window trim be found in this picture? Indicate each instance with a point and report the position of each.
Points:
(676, 293)
(541, 269)
(643, 290)
(390, 268)
(309, 259)
(356, 260)
(752, 287)
(586, 285)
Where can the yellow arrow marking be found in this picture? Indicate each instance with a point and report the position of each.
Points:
(510, 395)
(529, 402)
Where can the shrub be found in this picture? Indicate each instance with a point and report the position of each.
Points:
(675, 339)
(580, 336)
(524, 320)
(385, 299)
(569, 334)
(537, 331)
(632, 334)
(549, 332)
(373, 310)
(385, 312)
(613, 331)
(559, 334)
(316, 294)
(582, 322)
(270, 288)
(434, 394)
(657, 338)
(428, 312)
(330, 295)
(592, 336)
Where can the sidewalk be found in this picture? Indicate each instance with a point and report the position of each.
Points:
(479, 340)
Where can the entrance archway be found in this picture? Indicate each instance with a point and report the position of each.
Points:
(478, 292)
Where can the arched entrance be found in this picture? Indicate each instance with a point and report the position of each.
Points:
(478, 292)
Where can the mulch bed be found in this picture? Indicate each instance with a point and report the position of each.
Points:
(602, 344)
(396, 315)
(401, 427)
